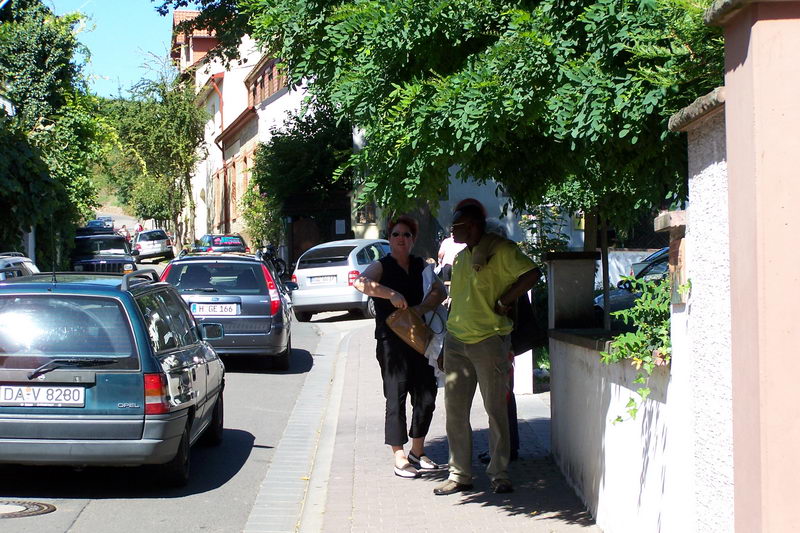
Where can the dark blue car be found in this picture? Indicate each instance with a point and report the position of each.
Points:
(104, 369)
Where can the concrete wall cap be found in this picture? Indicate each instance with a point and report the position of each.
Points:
(702, 107)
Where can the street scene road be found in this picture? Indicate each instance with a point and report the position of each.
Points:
(224, 480)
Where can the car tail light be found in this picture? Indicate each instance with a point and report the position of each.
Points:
(274, 298)
(209, 249)
(352, 276)
(155, 394)
(294, 278)
(247, 249)
(138, 246)
(166, 272)
(169, 242)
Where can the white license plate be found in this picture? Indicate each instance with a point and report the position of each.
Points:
(321, 280)
(41, 396)
(215, 309)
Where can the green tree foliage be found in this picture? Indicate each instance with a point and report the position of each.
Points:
(160, 139)
(649, 344)
(300, 158)
(551, 98)
(27, 192)
(55, 131)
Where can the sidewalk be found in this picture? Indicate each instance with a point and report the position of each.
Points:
(350, 485)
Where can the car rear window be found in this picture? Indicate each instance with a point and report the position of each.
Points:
(111, 244)
(227, 240)
(37, 328)
(325, 257)
(224, 277)
(153, 236)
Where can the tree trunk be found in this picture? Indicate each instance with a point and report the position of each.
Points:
(604, 257)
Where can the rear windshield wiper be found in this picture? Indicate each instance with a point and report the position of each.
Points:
(204, 289)
(59, 363)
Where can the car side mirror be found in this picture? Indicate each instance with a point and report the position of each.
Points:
(291, 285)
(212, 332)
(625, 285)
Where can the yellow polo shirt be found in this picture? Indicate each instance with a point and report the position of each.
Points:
(474, 293)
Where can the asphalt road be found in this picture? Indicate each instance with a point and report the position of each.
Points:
(224, 480)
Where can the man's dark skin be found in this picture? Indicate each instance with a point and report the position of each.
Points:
(469, 230)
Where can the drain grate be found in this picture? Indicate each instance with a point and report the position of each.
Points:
(19, 509)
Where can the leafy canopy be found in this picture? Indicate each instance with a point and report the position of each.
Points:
(160, 134)
(559, 98)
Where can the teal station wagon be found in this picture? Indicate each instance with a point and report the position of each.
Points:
(105, 369)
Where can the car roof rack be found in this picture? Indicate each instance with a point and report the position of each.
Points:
(129, 279)
(12, 254)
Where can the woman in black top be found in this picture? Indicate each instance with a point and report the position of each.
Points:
(395, 282)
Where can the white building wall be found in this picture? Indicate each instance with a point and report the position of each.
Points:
(221, 114)
(709, 325)
(487, 194)
(273, 112)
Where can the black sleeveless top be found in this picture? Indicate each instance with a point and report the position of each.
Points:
(408, 284)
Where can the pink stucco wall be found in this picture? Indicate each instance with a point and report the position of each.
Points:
(762, 83)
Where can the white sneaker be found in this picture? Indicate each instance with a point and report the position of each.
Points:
(407, 471)
(423, 462)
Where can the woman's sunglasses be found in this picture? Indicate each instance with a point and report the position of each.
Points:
(407, 235)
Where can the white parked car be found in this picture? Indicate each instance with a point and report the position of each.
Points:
(325, 274)
(153, 243)
(15, 265)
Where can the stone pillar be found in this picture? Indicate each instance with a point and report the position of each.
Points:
(570, 289)
(762, 114)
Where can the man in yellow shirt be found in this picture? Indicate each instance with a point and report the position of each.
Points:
(488, 277)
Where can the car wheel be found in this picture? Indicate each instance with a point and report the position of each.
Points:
(302, 316)
(216, 428)
(175, 473)
(282, 361)
(369, 310)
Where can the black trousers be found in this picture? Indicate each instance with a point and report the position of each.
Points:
(405, 373)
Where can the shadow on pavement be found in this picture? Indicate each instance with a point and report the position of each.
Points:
(211, 467)
(540, 491)
(300, 362)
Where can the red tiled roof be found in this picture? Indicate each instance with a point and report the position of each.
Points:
(182, 15)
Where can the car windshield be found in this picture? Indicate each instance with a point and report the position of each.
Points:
(35, 329)
(219, 278)
(325, 257)
(655, 270)
(96, 224)
(101, 245)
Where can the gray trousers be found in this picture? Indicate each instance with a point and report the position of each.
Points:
(484, 364)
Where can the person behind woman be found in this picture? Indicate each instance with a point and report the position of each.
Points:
(395, 282)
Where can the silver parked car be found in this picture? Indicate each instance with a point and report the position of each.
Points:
(153, 243)
(325, 276)
(245, 295)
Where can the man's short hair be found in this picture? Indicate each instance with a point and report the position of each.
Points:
(473, 212)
